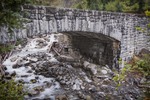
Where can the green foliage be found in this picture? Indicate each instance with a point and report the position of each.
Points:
(48, 2)
(10, 13)
(130, 8)
(137, 68)
(82, 5)
(5, 48)
(133, 6)
(140, 29)
(147, 13)
(10, 90)
(114, 6)
(143, 65)
(119, 78)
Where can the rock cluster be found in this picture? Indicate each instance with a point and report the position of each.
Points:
(55, 76)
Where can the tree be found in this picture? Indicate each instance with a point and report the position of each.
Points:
(134, 6)
(10, 13)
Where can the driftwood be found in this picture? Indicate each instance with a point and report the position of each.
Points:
(5, 58)
(56, 51)
(144, 86)
(60, 50)
(52, 47)
(2, 72)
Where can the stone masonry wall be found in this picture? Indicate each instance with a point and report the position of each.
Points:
(117, 26)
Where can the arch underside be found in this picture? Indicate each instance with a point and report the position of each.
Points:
(96, 48)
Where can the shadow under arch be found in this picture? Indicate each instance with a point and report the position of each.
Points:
(96, 48)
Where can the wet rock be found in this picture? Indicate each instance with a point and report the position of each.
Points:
(143, 52)
(104, 71)
(37, 99)
(81, 95)
(6, 73)
(91, 67)
(24, 75)
(26, 97)
(20, 61)
(21, 81)
(57, 65)
(101, 94)
(33, 65)
(13, 74)
(39, 88)
(13, 59)
(77, 65)
(36, 77)
(4, 67)
(8, 77)
(111, 74)
(48, 84)
(142, 81)
(47, 99)
(64, 58)
(17, 48)
(15, 66)
(93, 89)
(88, 97)
(61, 97)
(32, 93)
(27, 63)
(29, 71)
(33, 59)
(33, 80)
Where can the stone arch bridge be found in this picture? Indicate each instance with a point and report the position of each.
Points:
(114, 33)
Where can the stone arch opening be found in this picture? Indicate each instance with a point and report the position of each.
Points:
(95, 48)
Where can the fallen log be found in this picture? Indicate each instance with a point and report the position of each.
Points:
(56, 51)
(50, 47)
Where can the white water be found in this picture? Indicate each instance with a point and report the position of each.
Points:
(32, 48)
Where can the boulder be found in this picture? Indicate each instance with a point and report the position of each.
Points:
(91, 67)
(39, 88)
(8, 77)
(48, 84)
(61, 97)
(13, 59)
(32, 93)
(88, 97)
(15, 66)
(21, 81)
(104, 71)
(143, 52)
(29, 71)
(13, 73)
(33, 80)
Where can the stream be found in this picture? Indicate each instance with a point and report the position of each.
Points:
(49, 75)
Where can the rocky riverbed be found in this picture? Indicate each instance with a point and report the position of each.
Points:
(49, 72)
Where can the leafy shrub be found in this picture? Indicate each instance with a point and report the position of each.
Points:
(5, 48)
(10, 90)
(143, 65)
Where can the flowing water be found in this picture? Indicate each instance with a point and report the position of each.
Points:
(32, 48)
(46, 75)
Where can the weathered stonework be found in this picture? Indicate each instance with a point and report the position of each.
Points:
(115, 26)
